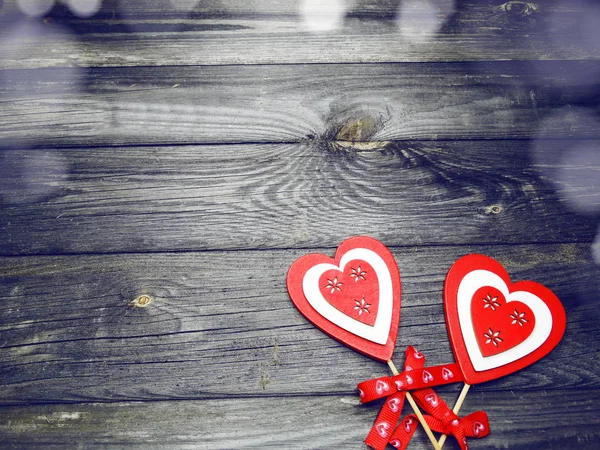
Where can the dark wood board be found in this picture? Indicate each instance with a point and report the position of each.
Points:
(221, 324)
(192, 156)
(151, 33)
(146, 199)
(365, 9)
(294, 103)
(520, 420)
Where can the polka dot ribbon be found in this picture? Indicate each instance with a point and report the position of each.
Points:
(419, 380)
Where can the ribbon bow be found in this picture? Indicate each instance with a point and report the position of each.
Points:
(445, 421)
(442, 419)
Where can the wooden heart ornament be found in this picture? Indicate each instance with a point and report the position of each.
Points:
(497, 327)
(354, 298)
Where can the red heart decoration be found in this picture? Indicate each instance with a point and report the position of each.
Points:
(497, 327)
(354, 298)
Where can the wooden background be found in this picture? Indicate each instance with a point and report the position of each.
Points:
(192, 156)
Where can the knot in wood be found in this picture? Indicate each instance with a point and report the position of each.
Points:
(142, 301)
(495, 209)
(519, 8)
(358, 130)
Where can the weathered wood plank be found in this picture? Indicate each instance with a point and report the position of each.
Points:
(162, 105)
(364, 9)
(521, 421)
(158, 105)
(221, 324)
(216, 33)
(134, 199)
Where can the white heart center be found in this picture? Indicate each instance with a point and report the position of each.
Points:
(379, 331)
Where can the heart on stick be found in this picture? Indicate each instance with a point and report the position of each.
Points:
(354, 297)
(497, 327)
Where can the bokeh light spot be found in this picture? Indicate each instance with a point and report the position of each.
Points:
(578, 179)
(572, 165)
(36, 8)
(84, 8)
(420, 20)
(32, 41)
(28, 176)
(322, 15)
(596, 247)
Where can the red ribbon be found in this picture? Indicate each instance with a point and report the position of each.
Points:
(443, 419)
(420, 379)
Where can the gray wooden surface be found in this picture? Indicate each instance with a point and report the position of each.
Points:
(192, 156)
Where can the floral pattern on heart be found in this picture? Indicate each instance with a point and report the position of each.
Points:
(355, 291)
(499, 326)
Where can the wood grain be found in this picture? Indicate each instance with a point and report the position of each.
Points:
(221, 324)
(144, 199)
(374, 9)
(239, 104)
(152, 33)
(524, 421)
(161, 169)
(101, 125)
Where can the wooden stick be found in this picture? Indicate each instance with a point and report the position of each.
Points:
(456, 409)
(417, 411)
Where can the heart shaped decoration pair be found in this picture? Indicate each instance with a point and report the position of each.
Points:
(496, 327)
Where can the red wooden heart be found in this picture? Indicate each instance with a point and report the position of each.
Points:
(496, 327)
(354, 298)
